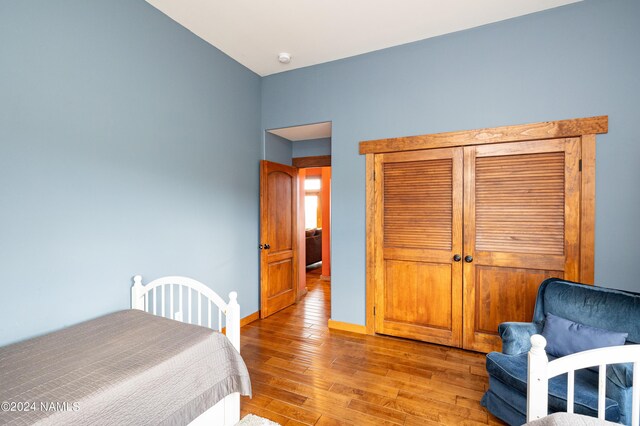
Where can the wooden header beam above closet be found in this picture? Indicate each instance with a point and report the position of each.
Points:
(523, 132)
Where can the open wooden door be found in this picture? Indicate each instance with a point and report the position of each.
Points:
(278, 243)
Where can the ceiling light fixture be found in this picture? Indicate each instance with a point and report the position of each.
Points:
(284, 58)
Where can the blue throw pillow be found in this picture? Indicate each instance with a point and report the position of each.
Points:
(566, 337)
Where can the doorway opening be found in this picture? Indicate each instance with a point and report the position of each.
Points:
(308, 149)
(315, 183)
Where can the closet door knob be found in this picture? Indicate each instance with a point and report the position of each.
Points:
(468, 259)
(260, 247)
(267, 246)
(456, 258)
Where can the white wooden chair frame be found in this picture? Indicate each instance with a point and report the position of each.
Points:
(145, 297)
(541, 370)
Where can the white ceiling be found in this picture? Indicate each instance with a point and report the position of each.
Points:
(304, 133)
(254, 32)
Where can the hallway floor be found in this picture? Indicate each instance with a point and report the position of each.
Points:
(304, 374)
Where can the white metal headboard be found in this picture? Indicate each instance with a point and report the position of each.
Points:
(170, 297)
(541, 370)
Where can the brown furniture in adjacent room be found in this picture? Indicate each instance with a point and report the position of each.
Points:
(313, 245)
(462, 227)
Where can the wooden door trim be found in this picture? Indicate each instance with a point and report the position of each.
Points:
(572, 201)
(370, 227)
(576, 127)
(587, 209)
(469, 247)
(314, 161)
(378, 247)
(521, 148)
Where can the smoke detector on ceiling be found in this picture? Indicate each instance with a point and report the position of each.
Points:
(284, 58)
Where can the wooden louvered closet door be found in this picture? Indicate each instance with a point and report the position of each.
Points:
(419, 226)
(521, 226)
(511, 210)
(516, 203)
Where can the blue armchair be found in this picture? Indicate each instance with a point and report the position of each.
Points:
(598, 307)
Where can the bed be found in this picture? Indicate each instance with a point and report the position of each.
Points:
(541, 370)
(158, 363)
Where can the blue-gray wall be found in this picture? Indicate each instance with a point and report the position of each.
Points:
(576, 61)
(127, 145)
(312, 147)
(277, 149)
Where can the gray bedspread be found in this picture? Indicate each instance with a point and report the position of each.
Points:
(125, 368)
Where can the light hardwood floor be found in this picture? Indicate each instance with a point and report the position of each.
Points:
(304, 374)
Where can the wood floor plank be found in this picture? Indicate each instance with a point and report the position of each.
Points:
(325, 420)
(305, 374)
(420, 421)
(379, 411)
(303, 415)
(321, 383)
(292, 422)
(414, 403)
(360, 394)
(278, 393)
(248, 408)
(346, 414)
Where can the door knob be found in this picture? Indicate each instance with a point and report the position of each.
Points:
(456, 258)
(267, 246)
(468, 259)
(260, 246)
